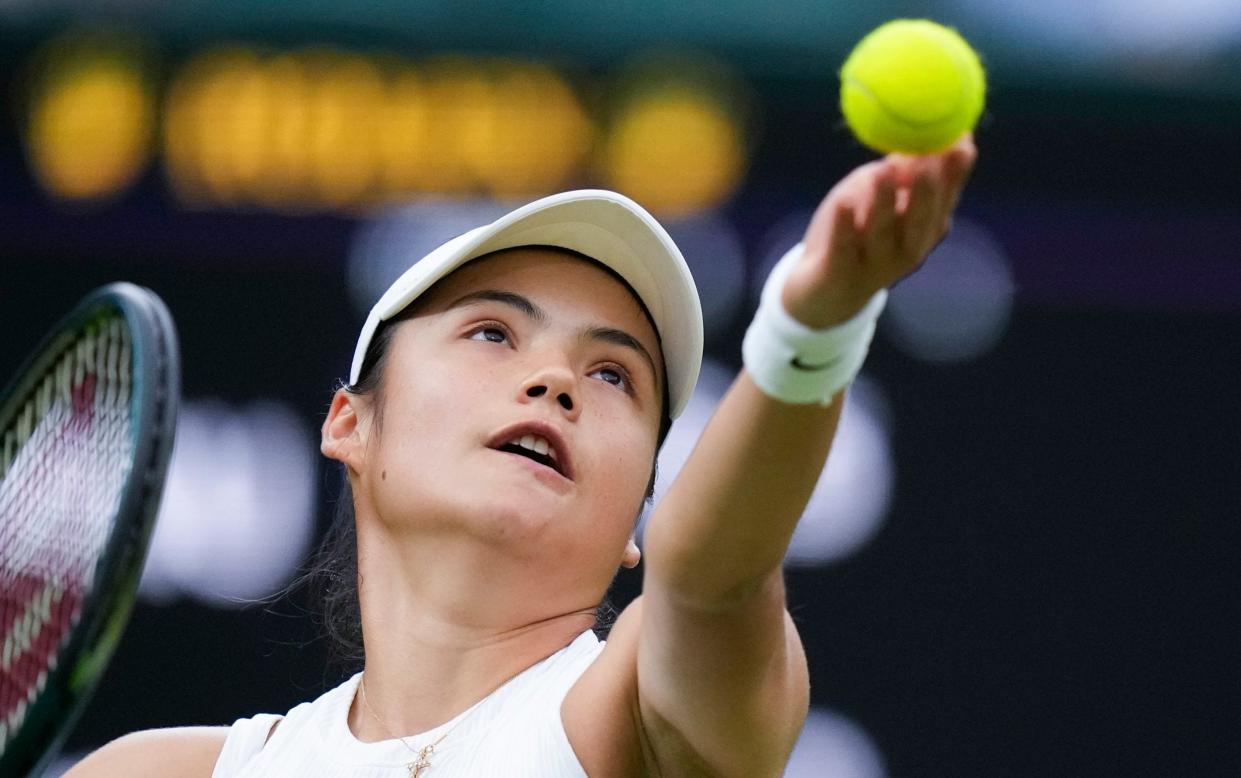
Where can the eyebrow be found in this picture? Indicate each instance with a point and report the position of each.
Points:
(525, 305)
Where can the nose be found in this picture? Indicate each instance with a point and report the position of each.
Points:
(563, 398)
(555, 382)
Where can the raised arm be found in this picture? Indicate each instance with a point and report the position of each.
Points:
(721, 674)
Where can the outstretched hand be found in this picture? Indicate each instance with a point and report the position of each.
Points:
(876, 226)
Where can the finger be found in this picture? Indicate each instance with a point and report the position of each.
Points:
(919, 224)
(858, 189)
(844, 241)
(958, 163)
(902, 200)
(904, 167)
(879, 240)
(908, 168)
(850, 192)
(959, 157)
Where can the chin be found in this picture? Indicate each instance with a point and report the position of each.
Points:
(515, 520)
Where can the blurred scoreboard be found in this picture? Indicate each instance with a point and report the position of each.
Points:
(322, 128)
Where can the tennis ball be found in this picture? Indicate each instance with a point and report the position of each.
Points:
(913, 86)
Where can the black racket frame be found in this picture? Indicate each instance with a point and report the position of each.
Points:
(156, 397)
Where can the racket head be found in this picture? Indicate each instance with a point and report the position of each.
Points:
(61, 616)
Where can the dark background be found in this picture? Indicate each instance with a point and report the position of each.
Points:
(1055, 590)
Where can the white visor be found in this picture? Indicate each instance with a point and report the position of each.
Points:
(605, 226)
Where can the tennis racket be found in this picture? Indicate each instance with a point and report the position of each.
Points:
(86, 430)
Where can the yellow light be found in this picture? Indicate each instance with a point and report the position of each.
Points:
(401, 135)
(246, 128)
(461, 102)
(91, 119)
(675, 150)
(182, 123)
(212, 123)
(325, 129)
(295, 132)
(537, 135)
(288, 169)
(344, 107)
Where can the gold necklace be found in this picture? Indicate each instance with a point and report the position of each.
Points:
(423, 755)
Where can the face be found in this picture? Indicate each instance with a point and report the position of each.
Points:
(526, 336)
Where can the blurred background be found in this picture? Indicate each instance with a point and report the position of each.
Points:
(1021, 559)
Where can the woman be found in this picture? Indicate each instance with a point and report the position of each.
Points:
(508, 397)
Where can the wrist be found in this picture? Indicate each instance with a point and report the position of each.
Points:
(820, 312)
(796, 363)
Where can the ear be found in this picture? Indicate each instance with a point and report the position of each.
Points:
(633, 554)
(343, 436)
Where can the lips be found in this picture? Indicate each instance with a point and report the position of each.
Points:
(539, 441)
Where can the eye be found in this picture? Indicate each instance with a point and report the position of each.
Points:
(616, 376)
(491, 332)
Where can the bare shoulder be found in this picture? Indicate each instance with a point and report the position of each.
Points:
(600, 712)
(739, 693)
(187, 752)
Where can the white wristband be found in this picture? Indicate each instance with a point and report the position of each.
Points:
(796, 364)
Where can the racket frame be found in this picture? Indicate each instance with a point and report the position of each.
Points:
(154, 401)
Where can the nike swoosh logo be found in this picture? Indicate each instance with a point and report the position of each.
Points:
(797, 363)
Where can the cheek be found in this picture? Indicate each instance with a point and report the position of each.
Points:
(620, 488)
(418, 420)
(625, 465)
(434, 400)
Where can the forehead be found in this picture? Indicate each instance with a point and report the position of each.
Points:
(560, 281)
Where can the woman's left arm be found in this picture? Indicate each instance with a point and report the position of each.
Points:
(721, 673)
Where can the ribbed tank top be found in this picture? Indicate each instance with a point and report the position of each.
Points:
(515, 731)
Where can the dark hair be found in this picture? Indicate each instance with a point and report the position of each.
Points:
(332, 573)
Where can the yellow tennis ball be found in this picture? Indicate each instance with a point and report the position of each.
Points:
(912, 86)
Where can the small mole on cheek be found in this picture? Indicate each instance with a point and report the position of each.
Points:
(383, 476)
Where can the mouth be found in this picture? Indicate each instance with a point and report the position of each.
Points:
(534, 455)
(539, 442)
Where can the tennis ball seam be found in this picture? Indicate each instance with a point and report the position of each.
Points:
(896, 116)
(882, 89)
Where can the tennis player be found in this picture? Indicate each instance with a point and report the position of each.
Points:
(499, 432)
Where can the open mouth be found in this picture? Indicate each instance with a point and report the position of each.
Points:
(539, 442)
(542, 459)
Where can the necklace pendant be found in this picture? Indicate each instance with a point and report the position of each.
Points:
(421, 763)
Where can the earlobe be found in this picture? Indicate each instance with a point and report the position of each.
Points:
(340, 437)
(633, 554)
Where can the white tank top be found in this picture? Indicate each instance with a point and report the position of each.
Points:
(516, 732)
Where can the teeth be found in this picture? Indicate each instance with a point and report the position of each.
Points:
(536, 444)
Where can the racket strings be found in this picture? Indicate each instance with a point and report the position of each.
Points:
(66, 456)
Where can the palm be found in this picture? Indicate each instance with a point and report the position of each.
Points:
(875, 227)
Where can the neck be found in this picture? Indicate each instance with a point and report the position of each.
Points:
(439, 636)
